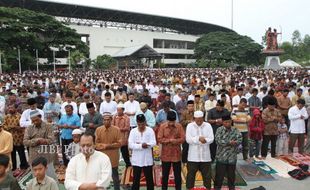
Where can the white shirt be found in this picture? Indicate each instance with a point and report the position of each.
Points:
(105, 91)
(261, 95)
(153, 91)
(97, 170)
(210, 104)
(176, 98)
(63, 105)
(198, 152)
(132, 107)
(141, 156)
(248, 95)
(2, 109)
(297, 124)
(110, 107)
(291, 94)
(83, 110)
(139, 88)
(191, 97)
(25, 119)
(236, 99)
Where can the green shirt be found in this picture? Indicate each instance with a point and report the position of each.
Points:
(9, 183)
(227, 153)
(47, 184)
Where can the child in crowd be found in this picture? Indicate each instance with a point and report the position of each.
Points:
(282, 142)
(41, 180)
(74, 147)
(7, 181)
(256, 128)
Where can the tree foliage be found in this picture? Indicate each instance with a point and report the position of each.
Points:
(104, 62)
(298, 49)
(28, 30)
(227, 47)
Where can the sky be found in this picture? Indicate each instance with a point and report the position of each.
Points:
(250, 17)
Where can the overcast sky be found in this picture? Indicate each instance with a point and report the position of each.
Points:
(251, 17)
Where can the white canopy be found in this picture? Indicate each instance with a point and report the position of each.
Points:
(289, 63)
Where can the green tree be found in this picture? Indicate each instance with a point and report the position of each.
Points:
(296, 38)
(77, 58)
(227, 47)
(104, 62)
(28, 30)
(298, 49)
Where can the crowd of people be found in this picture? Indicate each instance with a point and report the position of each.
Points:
(196, 116)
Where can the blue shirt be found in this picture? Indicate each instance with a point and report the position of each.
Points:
(72, 120)
(49, 108)
(162, 116)
(46, 96)
(149, 117)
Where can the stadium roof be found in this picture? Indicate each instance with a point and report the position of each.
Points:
(102, 14)
(141, 51)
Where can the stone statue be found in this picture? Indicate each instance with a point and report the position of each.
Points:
(271, 39)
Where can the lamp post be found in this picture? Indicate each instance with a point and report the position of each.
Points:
(232, 14)
(68, 48)
(19, 63)
(54, 61)
(37, 57)
(54, 49)
(0, 63)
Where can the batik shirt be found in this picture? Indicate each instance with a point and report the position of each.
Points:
(227, 153)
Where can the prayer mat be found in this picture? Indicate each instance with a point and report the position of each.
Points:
(203, 188)
(239, 181)
(280, 166)
(302, 158)
(127, 177)
(156, 153)
(24, 178)
(60, 172)
(251, 172)
(158, 177)
(290, 160)
(264, 167)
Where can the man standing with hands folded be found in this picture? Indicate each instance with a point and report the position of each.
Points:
(141, 140)
(171, 136)
(67, 124)
(108, 141)
(199, 136)
(37, 137)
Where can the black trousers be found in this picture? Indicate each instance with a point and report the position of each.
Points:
(115, 178)
(266, 140)
(213, 147)
(64, 145)
(125, 155)
(148, 173)
(221, 170)
(204, 168)
(177, 174)
(245, 145)
(22, 157)
(184, 152)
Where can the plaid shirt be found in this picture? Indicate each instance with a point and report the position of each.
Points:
(282, 135)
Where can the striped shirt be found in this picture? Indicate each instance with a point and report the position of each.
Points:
(241, 119)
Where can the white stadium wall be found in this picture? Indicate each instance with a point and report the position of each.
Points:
(111, 40)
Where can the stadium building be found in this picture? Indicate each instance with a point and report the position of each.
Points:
(130, 37)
